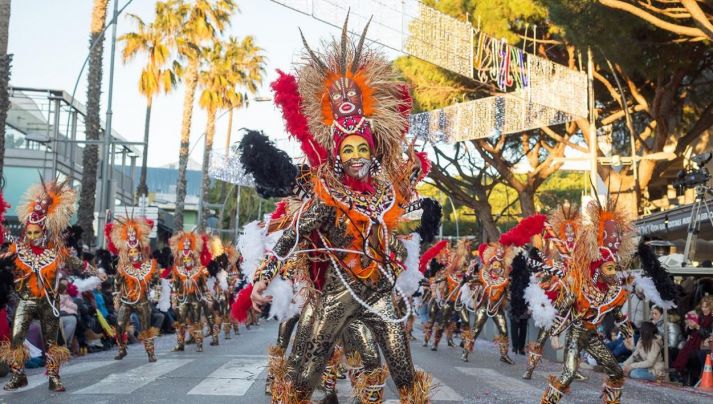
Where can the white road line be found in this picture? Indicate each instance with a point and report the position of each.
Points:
(502, 383)
(234, 378)
(134, 379)
(444, 393)
(39, 379)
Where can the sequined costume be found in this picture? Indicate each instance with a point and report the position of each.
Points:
(592, 288)
(361, 186)
(129, 238)
(189, 287)
(39, 254)
(447, 286)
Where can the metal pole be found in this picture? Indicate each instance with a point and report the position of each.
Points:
(594, 176)
(104, 189)
(55, 136)
(237, 215)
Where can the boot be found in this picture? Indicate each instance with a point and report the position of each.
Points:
(275, 358)
(197, 332)
(226, 330)
(330, 374)
(122, 353)
(54, 357)
(419, 391)
(611, 391)
(554, 391)
(369, 387)
(449, 335)
(437, 338)
(15, 359)
(503, 343)
(236, 328)
(215, 336)
(180, 338)
(427, 331)
(467, 342)
(534, 354)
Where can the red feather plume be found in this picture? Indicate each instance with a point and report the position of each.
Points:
(481, 250)
(430, 254)
(206, 257)
(107, 236)
(241, 306)
(288, 98)
(523, 232)
(280, 210)
(166, 273)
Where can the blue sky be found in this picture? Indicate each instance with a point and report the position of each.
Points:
(49, 40)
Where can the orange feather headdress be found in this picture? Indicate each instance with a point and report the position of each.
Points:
(49, 205)
(130, 233)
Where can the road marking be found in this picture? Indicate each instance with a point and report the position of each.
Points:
(134, 379)
(39, 379)
(501, 383)
(234, 378)
(443, 392)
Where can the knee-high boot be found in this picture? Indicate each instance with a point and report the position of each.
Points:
(369, 386)
(437, 337)
(15, 359)
(554, 391)
(534, 354)
(55, 356)
(147, 337)
(468, 343)
(611, 391)
(180, 338)
(427, 331)
(419, 391)
(502, 341)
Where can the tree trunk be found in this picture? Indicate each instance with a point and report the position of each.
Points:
(143, 189)
(527, 202)
(484, 213)
(92, 123)
(191, 78)
(205, 180)
(5, 60)
(223, 185)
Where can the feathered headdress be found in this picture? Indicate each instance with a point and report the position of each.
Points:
(564, 215)
(186, 243)
(381, 119)
(128, 233)
(49, 205)
(593, 232)
(431, 253)
(518, 236)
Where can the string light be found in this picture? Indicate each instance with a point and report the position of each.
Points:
(226, 167)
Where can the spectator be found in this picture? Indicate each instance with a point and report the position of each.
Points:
(617, 345)
(687, 362)
(673, 331)
(646, 363)
(68, 314)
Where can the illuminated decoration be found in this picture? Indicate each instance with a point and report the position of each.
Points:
(490, 116)
(536, 92)
(226, 167)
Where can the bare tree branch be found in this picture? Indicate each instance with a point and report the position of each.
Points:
(682, 30)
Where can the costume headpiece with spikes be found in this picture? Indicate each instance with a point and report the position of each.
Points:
(128, 233)
(49, 205)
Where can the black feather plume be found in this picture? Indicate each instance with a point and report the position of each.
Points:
(213, 268)
(653, 269)
(272, 168)
(430, 220)
(519, 281)
(7, 282)
(106, 261)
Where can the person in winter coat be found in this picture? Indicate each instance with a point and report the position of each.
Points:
(646, 362)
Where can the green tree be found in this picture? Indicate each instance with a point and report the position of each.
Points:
(228, 68)
(195, 27)
(151, 40)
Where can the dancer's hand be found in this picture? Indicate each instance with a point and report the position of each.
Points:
(256, 296)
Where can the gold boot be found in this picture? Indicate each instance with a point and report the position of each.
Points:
(275, 359)
(15, 359)
(419, 391)
(468, 343)
(226, 330)
(180, 338)
(215, 332)
(611, 391)
(427, 331)
(449, 334)
(147, 337)
(331, 372)
(54, 357)
(534, 355)
(197, 332)
(554, 391)
(369, 386)
(502, 341)
(437, 338)
(121, 340)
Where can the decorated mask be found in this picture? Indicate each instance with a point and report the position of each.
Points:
(345, 98)
(611, 238)
(35, 235)
(355, 155)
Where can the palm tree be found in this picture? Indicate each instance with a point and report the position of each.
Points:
(5, 60)
(92, 122)
(229, 66)
(151, 40)
(200, 24)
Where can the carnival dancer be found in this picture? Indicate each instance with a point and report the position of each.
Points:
(448, 287)
(45, 213)
(217, 299)
(494, 276)
(432, 264)
(591, 289)
(355, 113)
(189, 286)
(234, 279)
(136, 274)
(561, 229)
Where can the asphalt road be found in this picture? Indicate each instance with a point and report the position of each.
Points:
(235, 372)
